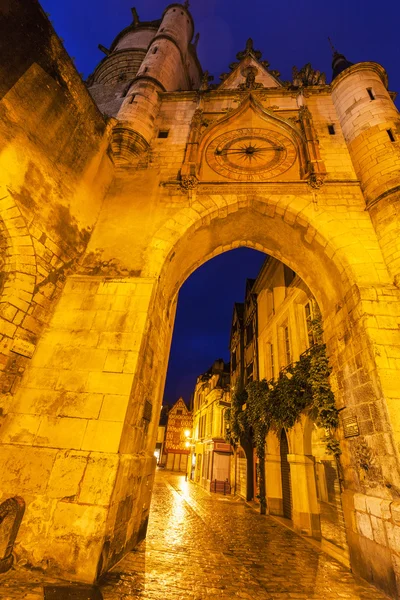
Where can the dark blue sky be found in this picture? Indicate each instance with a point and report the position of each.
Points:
(288, 33)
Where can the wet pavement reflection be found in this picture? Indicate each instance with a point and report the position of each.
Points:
(201, 546)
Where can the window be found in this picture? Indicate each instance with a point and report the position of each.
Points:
(155, 50)
(309, 326)
(289, 275)
(271, 361)
(210, 421)
(163, 134)
(249, 372)
(331, 129)
(371, 93)
(234, 363)
(132, 98)
(249, 333)
(287, 346)
(179, 411)
(391, 135)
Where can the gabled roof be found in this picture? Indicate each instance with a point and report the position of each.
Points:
(180, 403)
(250, 72)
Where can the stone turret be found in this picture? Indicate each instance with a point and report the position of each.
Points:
(110, 80)
(371, 126)
(170, 64)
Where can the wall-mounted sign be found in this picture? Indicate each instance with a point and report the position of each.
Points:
(350, 427)
(23, 347)
(147, 411)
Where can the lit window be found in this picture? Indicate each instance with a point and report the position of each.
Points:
(309, 326)
(287, 346)
(271, 360)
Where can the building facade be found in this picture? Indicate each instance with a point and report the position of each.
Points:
(107, 208)
(303, 483)
(209, 463)
(178, 430)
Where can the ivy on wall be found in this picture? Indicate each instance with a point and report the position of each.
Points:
(272, 405)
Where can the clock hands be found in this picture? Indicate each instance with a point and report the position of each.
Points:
(249, 150)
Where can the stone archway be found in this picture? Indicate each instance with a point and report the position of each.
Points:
(110, 339)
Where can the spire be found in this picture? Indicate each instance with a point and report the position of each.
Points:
(135, 16)
(339, 61)
(249, 51)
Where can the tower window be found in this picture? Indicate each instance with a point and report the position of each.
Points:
(132, 98)
(163, 133)
(155, 50)
(391, 135)
(371, 93)
(331, 129)
(145, 69)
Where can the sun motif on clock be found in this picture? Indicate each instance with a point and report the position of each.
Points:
(251, 154)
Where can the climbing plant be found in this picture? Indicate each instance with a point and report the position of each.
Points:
(303, 386)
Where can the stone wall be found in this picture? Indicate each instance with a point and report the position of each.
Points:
(54, 171)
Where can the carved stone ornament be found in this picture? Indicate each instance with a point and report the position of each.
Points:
(11, 513)
(316, 181)
(249, 51)
(250, 84)
(304, 112)
(197, 118)
(205, 81)
(307, 76)
(189, 182)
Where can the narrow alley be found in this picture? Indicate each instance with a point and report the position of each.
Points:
(201, 546)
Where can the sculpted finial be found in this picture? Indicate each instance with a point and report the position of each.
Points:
(249, 51)
(135, 16)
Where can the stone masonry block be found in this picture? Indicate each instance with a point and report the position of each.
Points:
(395, 511)
(378, 530)
(20, 429)
(102, 436)
(115, 361)
(99, 478)
(393, 536)
(66, 475)
(109, 383)
(374, 506)
(84, 406)
(364, 525)
(25, 471)
(360, 502)
(61, 432)
(114, 408)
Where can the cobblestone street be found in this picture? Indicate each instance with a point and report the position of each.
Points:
(209, 547)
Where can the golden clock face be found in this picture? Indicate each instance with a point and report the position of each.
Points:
(251, 154)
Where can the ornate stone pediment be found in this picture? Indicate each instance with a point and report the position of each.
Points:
(307, 76)
(249, 72)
